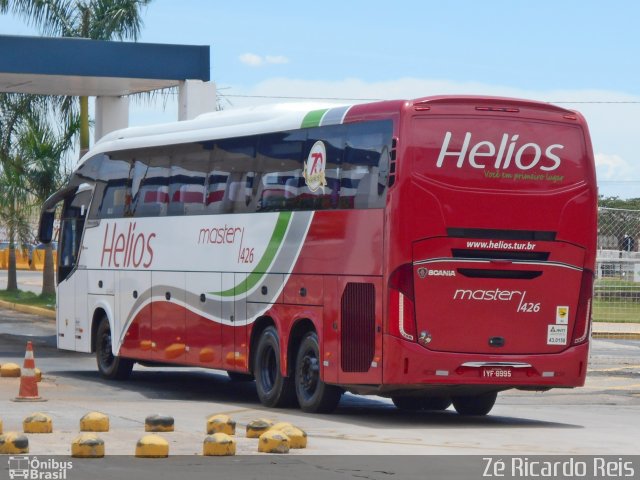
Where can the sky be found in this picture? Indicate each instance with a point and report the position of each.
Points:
(583, 55)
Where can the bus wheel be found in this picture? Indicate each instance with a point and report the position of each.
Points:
(421, 403)
(408, 403)
(313, 394)
(240, 377)
(475, 405)
(436, 403)
(274, 390)
(110, 366)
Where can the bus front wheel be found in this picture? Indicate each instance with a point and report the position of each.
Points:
(314, 396)
(476, 404)
(110, 366)
(274, 390)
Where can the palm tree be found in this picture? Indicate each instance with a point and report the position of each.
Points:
(43, 149)
(14, 205)
(93, 19)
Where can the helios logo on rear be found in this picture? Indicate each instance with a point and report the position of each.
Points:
(510, 151)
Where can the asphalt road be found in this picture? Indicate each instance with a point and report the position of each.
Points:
(601, 418)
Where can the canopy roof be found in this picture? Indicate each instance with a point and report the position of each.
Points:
(81, 67)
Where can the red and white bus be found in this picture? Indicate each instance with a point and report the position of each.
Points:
(433, 251)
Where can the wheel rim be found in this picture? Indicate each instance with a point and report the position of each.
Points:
(269, 370)
(105, 355)
(309, 374)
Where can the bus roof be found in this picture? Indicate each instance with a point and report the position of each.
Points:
(223, 124)
(280, 117)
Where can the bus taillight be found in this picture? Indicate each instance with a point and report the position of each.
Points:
(402, 316)
(583, 312)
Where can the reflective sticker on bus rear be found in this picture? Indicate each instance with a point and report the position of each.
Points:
(557, 335)
(562, 315)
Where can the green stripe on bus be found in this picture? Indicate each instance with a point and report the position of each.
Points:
(312, 119)
(270, 253)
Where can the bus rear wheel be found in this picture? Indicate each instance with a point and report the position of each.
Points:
(110, 366)
(274, 390)
(422, 403)
(476, 404)
(314, 396)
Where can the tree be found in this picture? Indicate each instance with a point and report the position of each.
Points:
(43, 149)
(93, 19)
(14, 205)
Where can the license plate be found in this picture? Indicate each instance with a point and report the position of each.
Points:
(496, 372)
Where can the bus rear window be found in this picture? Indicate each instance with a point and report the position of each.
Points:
(495, 153)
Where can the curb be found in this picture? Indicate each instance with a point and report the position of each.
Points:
(42, 312)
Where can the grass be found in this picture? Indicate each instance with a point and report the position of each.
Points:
(616, 301)
(615, 282)
(616, 311)
(29, 298)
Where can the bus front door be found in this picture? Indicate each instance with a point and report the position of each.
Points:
(71, 317)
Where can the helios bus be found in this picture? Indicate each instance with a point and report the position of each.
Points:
(433, 251)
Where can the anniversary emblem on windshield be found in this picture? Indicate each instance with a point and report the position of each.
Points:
(315, 167)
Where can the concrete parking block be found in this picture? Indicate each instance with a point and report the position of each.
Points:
(10, 370)
(94, 422)
(37, 423)
(159, 423)
(87, 445)
(152, 446)
(273, 441)
(13, 443)
(255, 428)
(219, 444)
(221, 424)
(297, 436)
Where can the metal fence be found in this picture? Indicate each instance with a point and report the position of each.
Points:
(617, 286)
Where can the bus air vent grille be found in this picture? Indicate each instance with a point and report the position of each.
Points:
(358, 327)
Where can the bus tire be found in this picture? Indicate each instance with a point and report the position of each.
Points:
(240, 377)
(273, 389)
(314, 396)
(476, 404)
(110, 366)
(410, 404)
(437, 404)
(421, 403)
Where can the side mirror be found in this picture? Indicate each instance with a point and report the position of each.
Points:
(45, 227)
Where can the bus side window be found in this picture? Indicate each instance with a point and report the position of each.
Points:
(365, 162)
(111, 194)
(312, 196)
(215, 191)
(186, 191)
(152, 197)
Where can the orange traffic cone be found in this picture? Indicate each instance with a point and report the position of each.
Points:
(28, 383)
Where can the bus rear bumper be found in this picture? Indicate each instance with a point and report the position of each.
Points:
(409, 366)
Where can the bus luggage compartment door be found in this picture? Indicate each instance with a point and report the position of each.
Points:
(496, 301)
